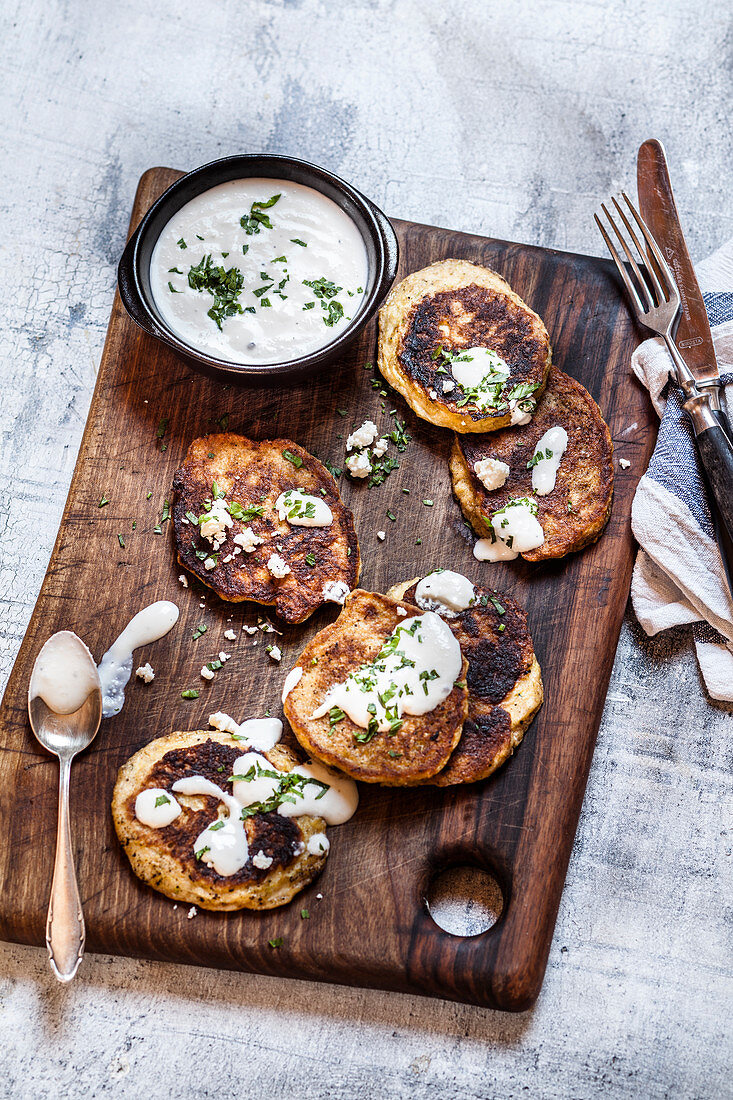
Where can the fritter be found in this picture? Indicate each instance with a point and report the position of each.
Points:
(259, 556)
(422, 744)
(436, 314)
(575, 512)
(504, 683)
(164, 857)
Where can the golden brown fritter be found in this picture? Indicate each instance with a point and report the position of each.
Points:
(164, 857)
(454, 305)
(253, 475)
(574, 514)
(419, 749)
(504, 683)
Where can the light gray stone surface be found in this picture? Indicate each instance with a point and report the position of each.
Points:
(510, 119)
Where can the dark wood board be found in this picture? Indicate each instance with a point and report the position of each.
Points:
(371, 927)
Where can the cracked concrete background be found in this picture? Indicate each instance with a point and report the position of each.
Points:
(509, 119)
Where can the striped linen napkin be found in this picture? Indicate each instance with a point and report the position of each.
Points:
(678, 576)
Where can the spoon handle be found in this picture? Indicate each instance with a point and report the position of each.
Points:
(65, 932)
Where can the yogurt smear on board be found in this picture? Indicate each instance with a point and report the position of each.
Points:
(259, 271)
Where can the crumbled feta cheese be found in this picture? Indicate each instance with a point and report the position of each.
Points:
(224, 722)
(624, 463)
(228, 558)
(319, 897)
(210, 563)
(207, 673)
(183, 579)
(249, 629)
(363, 436)
(448, 385)
(230, 635)
(262, 861)
(380, 447)
(381, 535)
(491, 472)
(335, 591)
(432, 395)
(214, 526)
(248, 540)
(145, 672)
(278, 566)
(193, 911)
(224, 657)
(275, 652)
(359, 465)
(401, 611)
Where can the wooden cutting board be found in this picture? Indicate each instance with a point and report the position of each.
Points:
(372, 926)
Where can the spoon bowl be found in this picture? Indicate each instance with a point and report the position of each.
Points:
(65, 671)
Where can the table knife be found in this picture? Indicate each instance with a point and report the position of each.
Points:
(692, 337)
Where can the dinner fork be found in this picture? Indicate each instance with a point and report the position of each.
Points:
(655, 300)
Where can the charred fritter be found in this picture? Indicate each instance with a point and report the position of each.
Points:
(417, 746)
(504, 682)
(230, 532)
(462, 348)
(280, 862)
(577, 509)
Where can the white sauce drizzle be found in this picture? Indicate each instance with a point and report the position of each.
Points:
(301, 509)
(291, 680)
(257, 733)
(413, 673)
(115, 668)
(516, 529)
(480, 370)
(64, 674)
(334, 250)
(335, 805)
(156, 807)
(553, 443)
(445, 592)
(222, 844)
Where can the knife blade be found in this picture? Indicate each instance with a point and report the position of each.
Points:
(659, 211)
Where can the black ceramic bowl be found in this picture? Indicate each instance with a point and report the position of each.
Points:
(133, 274)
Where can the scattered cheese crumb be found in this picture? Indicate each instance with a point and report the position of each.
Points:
(278, 566)
(145, 672)
(224, 657)
(183, 580)
(335, 591)
(448, 385)
(363, 436)
(193, 911)
(380, 447)
(228, 558)
(215, 525)
(247, 540)
(491, 472)
(222, 721)
(359, 465)
(401, 611)
(432, 395)
(210, 563)
(262, 861)
(624, 463)
(207, 673)
(230, 635)
(274, 651)
(381, 535)
(249, 629)
(319, 897)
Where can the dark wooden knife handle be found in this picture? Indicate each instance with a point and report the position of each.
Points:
(716, 453)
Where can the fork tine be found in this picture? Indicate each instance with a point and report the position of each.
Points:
(653, 282)
(662, 264)
(630, 288)
(645, 298)
(644, 286)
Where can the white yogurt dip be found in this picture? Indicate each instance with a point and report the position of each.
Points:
(546, 460)
(64, 674)
(515, 529)
(115, 668)
(445, 592)
(282, 279)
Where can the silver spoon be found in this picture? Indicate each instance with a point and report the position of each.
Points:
(65, 735)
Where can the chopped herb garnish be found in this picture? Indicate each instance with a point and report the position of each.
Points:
(224, 286)
(304, 914)
(121, 541)
(296, 240)
(279, 941)
(310, 559)
(200, 629)
(218, 825)
(223, 422)
(202, 851)
(296, 460)
(501, 610)
(391, 515)
(175, 271)
(181, 243)
(252, 222)
(309, 305)
(102, 501)
(161, 800)
(172, 288)
(190, 693)
(148, 495)
(428, 503)
(162, 428)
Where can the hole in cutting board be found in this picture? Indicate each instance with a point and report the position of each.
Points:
(464, 900)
